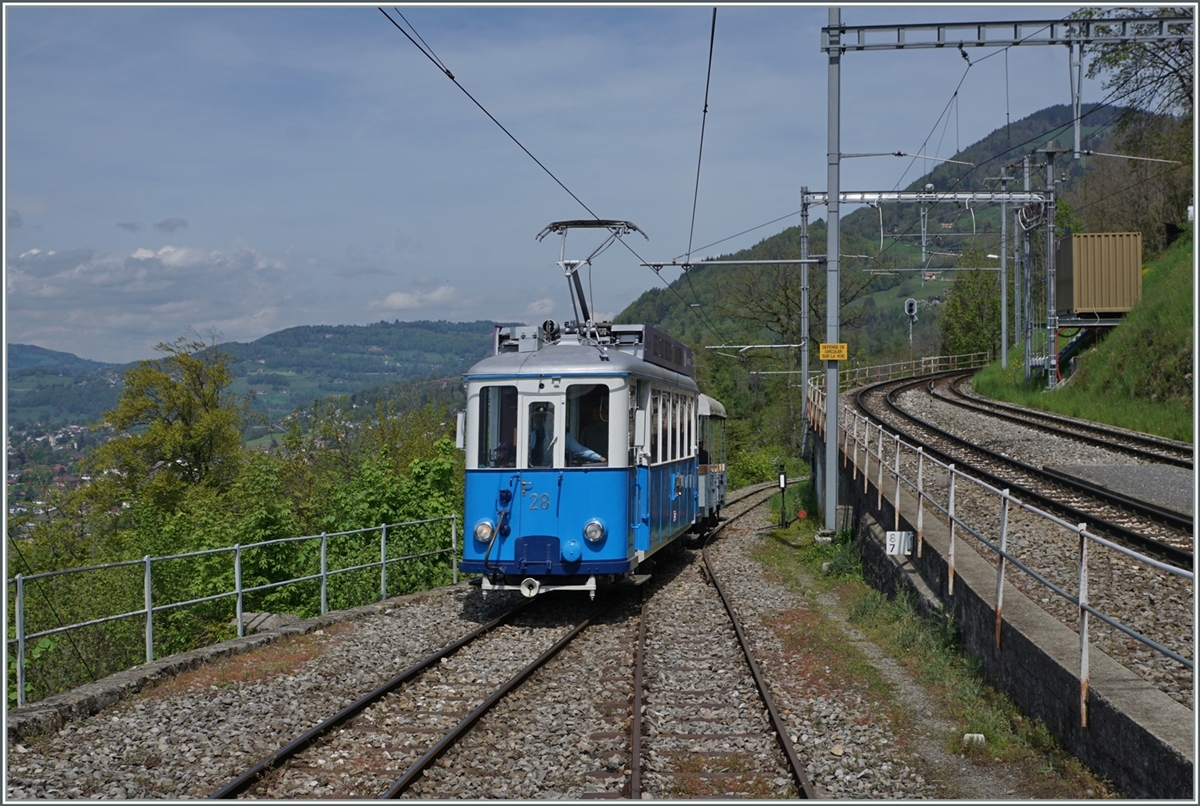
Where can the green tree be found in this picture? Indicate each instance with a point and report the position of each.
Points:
(178, 426)
(970, 317)
(1154, 77)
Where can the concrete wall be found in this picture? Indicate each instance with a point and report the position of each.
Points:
(1137, 736)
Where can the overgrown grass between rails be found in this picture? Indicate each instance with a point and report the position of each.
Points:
(929, 650)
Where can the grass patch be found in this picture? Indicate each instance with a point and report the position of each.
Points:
(1140, 375)
(928, 649)
(283, 656)
(755, 782)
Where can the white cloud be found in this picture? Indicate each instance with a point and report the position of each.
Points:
(410, 300)
(540, 307)
(118, 306)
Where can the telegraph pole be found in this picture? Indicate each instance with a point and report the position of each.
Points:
(1028, 287)
(1018, 294)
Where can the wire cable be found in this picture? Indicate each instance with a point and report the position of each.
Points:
(450, 75)
(57, 616)
(712, 36)
(1096, 108)
(442, 68)
(743, 232)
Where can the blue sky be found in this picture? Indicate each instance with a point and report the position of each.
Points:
(245, 169)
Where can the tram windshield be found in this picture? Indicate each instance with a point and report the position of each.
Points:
(587, 424)
(498, 426)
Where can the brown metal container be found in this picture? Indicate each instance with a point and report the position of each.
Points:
(1098, 272)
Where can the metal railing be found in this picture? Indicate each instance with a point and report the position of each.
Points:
(851, 377)
(149, 607)
(850, 423)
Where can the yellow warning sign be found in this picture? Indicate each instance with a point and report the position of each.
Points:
(834, 352)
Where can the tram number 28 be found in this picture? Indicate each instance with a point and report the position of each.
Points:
(539, 501)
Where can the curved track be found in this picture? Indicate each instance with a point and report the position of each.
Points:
(1162, 532)
(1146, 447)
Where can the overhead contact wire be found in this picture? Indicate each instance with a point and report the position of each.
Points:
(712, 36)
(1098, 107)
(428, 53)
(450, 75)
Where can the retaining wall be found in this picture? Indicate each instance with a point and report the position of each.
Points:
(1137, 737)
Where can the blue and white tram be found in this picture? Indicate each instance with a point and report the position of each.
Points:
(583, 456)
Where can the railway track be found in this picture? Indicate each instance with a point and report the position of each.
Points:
(1149, 448)
(1161, 532)
(400, 722)
(710, 727)
(427, 732)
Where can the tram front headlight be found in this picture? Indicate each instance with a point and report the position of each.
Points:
(594, 531)
(484, 531)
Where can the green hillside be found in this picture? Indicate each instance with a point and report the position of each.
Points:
(52, 386)
(888, 250)
(293, 367)
(760, 303)
(1141, 375)
(25, 360)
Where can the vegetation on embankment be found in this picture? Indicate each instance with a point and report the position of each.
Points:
(177, 480)
(1140, 376)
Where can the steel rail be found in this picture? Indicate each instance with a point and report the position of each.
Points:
(1172, 554)
(416, 770)
(250, 777)
(1179, 520)
(1169, 517)
(635, 728)
(777, 724)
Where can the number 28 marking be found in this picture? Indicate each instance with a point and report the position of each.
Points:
(539, 501)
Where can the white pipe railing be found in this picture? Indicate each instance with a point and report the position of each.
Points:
(149, 608)
(848, 424)
(851, 377)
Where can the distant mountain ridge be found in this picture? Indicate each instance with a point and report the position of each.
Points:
(283, 369)
(22, 356)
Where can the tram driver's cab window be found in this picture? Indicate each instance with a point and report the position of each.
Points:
(541, 434)
(588, 419)
(497, 426)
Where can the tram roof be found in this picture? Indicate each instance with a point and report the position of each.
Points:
(710, 408)
(554, 360)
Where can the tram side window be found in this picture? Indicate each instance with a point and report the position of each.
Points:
(691, 445)
(654, 427)
(497, 426)
(674, 425)
(541, 434)
(633, 407)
